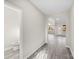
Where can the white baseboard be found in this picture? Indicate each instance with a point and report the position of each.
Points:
(70, 50)
(35, 50)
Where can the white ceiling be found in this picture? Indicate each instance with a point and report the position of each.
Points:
(50, 7)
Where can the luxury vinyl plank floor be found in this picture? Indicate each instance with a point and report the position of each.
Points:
(42, 53)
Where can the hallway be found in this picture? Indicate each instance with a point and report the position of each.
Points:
(53, 49)
(39, 29)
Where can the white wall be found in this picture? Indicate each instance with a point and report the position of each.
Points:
(33, 27)
(72, 30)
